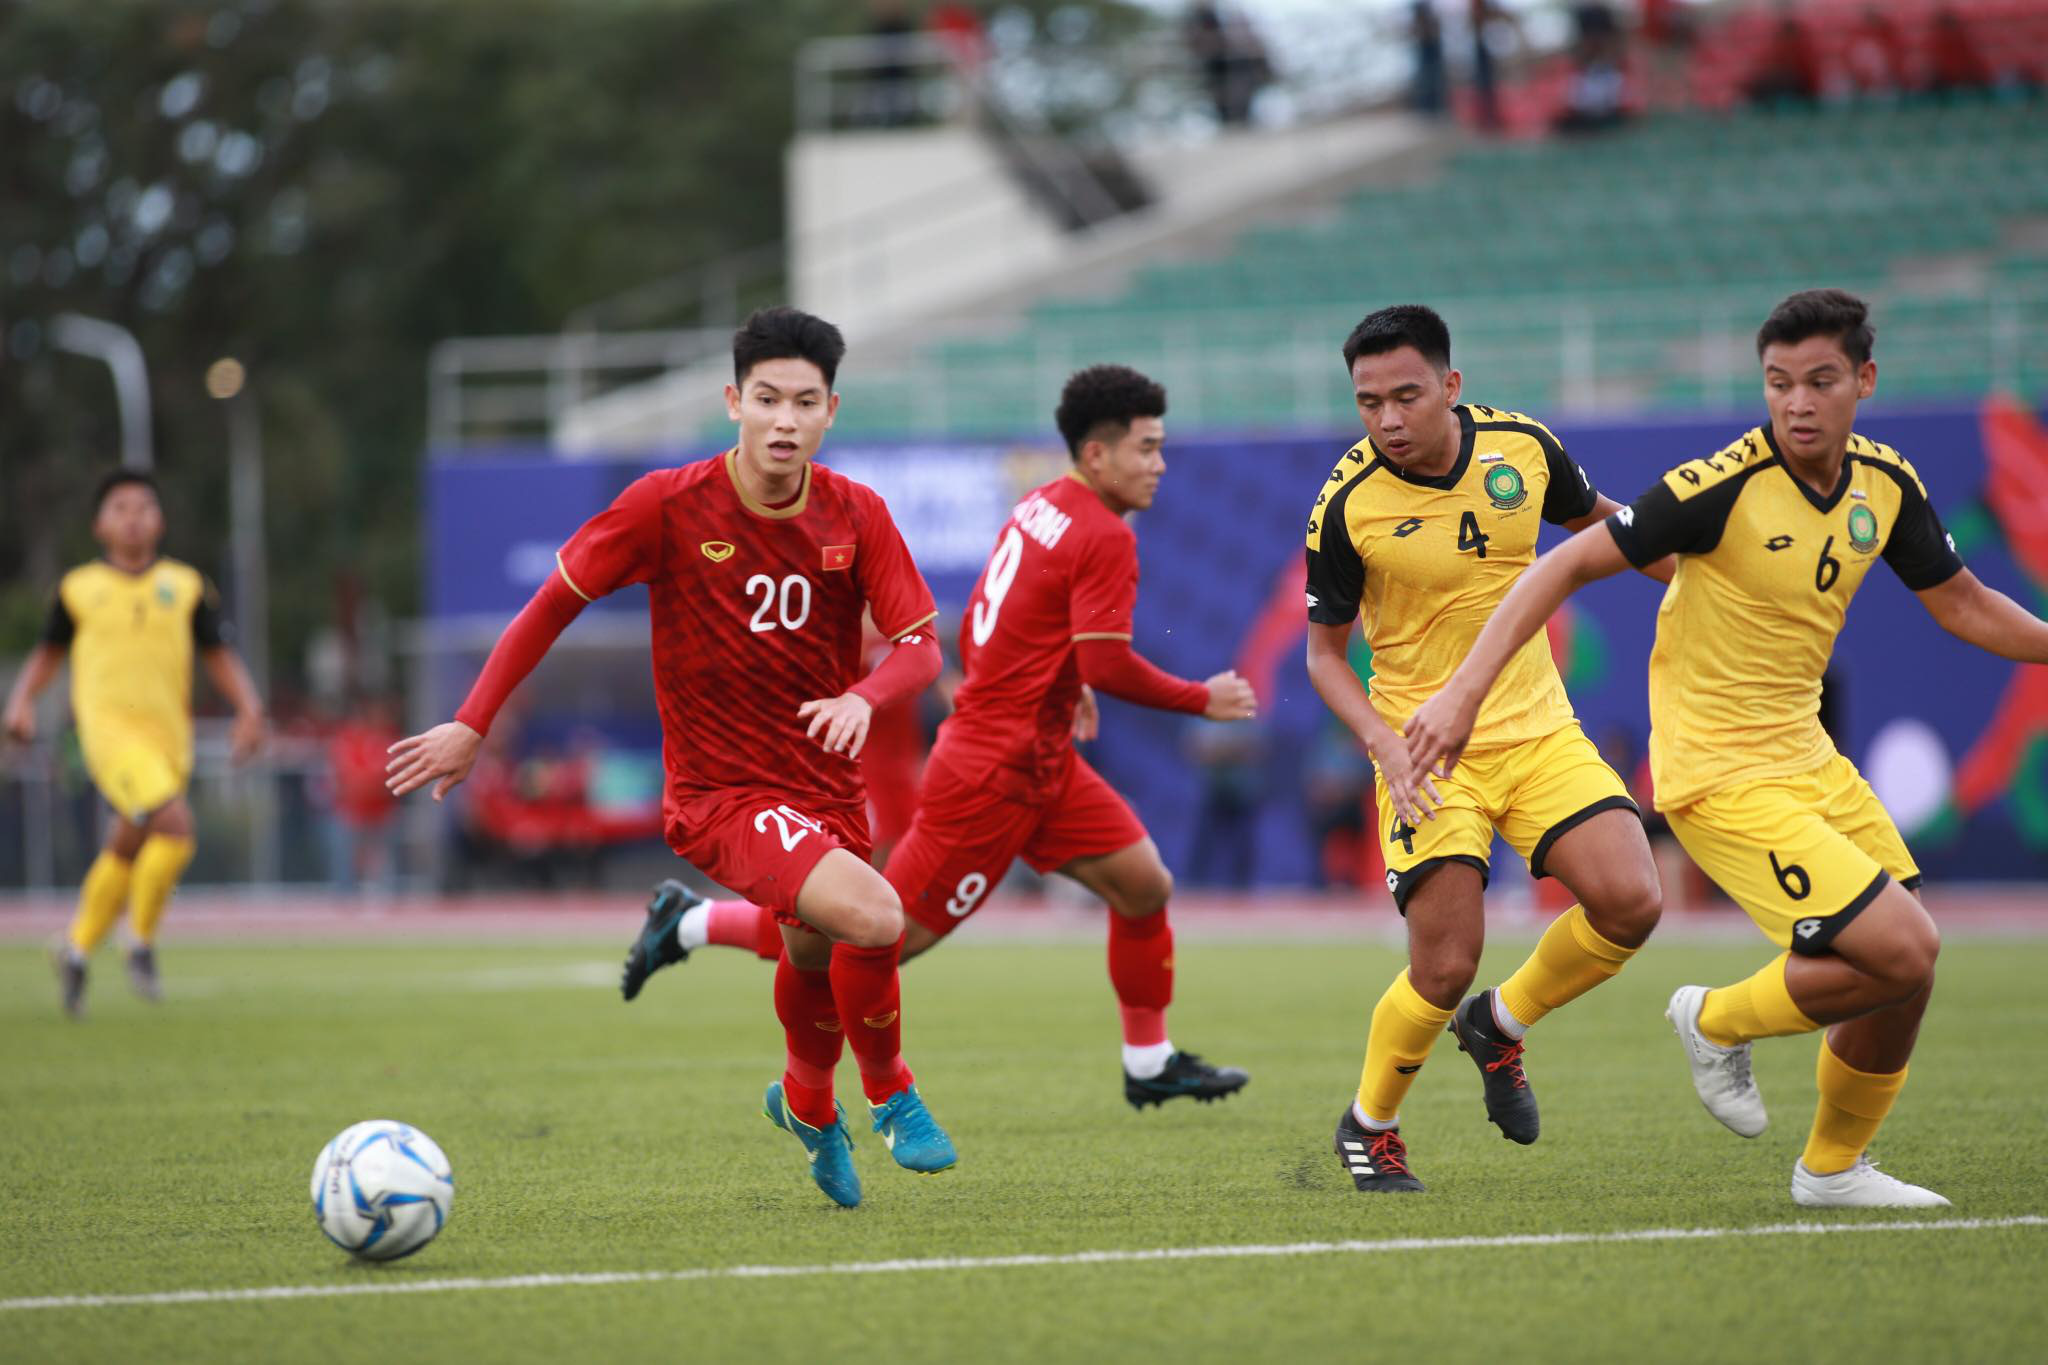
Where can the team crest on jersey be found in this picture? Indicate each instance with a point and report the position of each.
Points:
(166, 594)
(717, 551)
(1862, 529)
(838, 557)
(1504, 487)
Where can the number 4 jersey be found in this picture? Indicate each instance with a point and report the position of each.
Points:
(754, 610)
(1428, 559)
(1766, 569)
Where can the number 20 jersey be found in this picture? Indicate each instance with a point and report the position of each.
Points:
(1428, 560)
(753, 611)
(1766, 569)
(1065, 568)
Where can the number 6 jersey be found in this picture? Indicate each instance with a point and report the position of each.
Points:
(1766, 570)
(753, 611)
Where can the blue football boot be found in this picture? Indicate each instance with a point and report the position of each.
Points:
(829, 1148)
(914, 1136)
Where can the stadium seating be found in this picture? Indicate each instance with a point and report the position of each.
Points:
(1620, 272)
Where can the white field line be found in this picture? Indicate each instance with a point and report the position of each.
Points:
(962, 1263)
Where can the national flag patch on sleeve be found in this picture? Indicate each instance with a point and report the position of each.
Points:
(838, 557)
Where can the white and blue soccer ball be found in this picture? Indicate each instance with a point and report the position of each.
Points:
(382, 1189)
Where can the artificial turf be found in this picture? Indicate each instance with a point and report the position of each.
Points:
(168, 1148)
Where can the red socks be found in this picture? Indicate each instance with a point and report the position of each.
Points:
(865, 984)
(1141, 970)
(741, 924)
(810, 1028)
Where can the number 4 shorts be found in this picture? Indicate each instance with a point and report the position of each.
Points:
(1803, 854)
(762, 843)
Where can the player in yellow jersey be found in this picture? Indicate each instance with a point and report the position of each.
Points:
(1425, 525)
(1773, 536)
(129, 623)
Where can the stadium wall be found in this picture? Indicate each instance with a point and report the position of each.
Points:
(1956, 741)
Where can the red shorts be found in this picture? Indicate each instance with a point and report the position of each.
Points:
(762, 843)
(965, 836)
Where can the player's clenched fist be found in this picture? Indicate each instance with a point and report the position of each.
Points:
(840, 723)
(447, 753)
(1230, 697)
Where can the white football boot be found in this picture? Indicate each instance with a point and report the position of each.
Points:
(1862, 1186)
(1720, 1075)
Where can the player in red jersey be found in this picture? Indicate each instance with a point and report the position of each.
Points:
(1050, 617)
(758, 565)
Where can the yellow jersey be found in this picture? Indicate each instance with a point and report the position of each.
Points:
(131, 637)
(1428, 559)
(1766, 571)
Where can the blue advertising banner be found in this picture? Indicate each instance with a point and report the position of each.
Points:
(1955, 740)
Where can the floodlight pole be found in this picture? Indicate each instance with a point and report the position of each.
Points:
(252, 589)
(117, 346)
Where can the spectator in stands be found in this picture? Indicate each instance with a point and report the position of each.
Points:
(1876, 56)
(362, 835)
(1430, 94)
(1955, 64)
(1231, 57)
(888, 98)
(1790, 72)
(958, 25)
(1229, 758)
(1484, 17)
(1596, 99)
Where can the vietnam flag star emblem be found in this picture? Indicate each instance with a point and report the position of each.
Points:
(838, 557)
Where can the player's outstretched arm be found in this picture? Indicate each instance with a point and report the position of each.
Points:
(231, 676)
(1109, 664)
(1605, 507)
(1969, 609)
(42, 666)
(1440, 727)
(445, 754)
(1329, 669)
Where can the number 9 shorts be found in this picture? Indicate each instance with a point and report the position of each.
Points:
(967, 832)
(1802, 854)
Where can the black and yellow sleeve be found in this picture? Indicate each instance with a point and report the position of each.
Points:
(1336, 572)
(1661, 523)
(58, 627)
(1919, 549)
(1571, 494)
(209, 630)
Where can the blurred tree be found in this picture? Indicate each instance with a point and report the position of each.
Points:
(324, 191)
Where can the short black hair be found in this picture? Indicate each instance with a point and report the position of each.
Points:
(1104, 396)
(1404, 324)
(787, 334)
(121, 478)
(1820, 313)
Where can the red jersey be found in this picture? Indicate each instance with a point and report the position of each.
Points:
(753, 611)
(1065, 568)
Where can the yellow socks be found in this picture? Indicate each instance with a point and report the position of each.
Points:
(1852, 1105)
(1760, 1007)
(99, 902)
(1570, 959)
(1404, 1028)
(157, 869)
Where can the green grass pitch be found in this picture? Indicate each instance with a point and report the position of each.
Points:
(168, 1148)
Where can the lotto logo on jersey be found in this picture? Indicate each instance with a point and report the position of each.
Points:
(838, 557)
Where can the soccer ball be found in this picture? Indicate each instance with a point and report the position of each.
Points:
(382, 1189)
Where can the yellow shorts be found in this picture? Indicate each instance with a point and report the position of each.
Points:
(137, 779)
(1532, 793)
(1802, 854)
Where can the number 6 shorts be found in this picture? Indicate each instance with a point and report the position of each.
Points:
(967, 832)
(1534, 793)
(1802, 854)
(761, 842)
